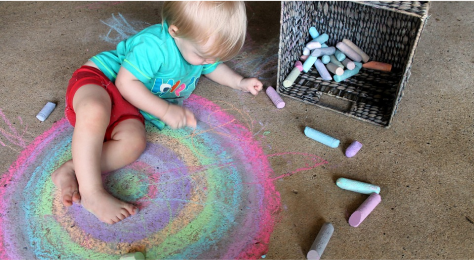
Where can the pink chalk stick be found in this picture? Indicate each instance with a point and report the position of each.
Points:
(304, 57)
(353, 55)
(353, 149)
(276, 99)
(364, 209)
(299, 65)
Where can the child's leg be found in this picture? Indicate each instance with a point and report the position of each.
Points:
(91, 157)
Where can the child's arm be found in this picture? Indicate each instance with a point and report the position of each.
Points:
(227, 77)
(135, 92)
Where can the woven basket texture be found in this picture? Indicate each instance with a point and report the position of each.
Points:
(387, 31)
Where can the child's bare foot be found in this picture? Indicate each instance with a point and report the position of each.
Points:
(106, 207)
(65, 179)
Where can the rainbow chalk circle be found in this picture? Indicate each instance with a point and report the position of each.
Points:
(353, 149)
(313, 32)
(321, 241)
(133, 256)
(357, 186)
(276, 99)
(365, 57)
(364, 209)
(334, 68)
(293, 74)
(313, 45)
(323, 51)
(46, 111)
(348, 52)
(376, 65)
(348, 73)
(321, 137)
(350, 65)
(322, 70)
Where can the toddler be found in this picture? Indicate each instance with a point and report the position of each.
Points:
(146, 77)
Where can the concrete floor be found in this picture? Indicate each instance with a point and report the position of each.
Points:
(423, 163)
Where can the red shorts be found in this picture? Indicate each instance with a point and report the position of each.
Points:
(121, 109)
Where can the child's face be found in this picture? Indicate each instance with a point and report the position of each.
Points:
(192, 52)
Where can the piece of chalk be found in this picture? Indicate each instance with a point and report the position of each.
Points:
(321, 241)
(339, 55)
(306, 51)
(313, 45)
(46, 111)
(308, 63)
(313, 32)
(321, 137)
(348, 51)
(350, 65)
(133, 256)
(322, 38)
(357, 186)
(334, 68)
(325, 59)
(348, 73)
(304, 57)
(276, 99)
(353, 149)
(322, 70)
(365, 57)
(336, 61)
(364, 209)
(323, 51)
(376, 65)
(293, 75)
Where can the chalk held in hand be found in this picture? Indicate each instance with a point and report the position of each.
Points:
(276, 99)
(320, 137)
(357, 186)
(293, 74)
(133, 256)
(364, 209)
(321, 241)
(46, 111)
(353, 149)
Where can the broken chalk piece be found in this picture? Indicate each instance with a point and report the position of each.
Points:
(364, 209)
(348, 73)
(46, 111)
(321, 137)
(133, 256)
(276, 99)
(322, 70)
(339, 55)
(357, 186)
(376, 65)
(334, 68)
(293, 74)
(365, 57)
(353, 149)
(350, 65)
(321, 241)
(353, 55)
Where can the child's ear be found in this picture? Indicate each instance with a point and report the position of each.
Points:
(173, 30)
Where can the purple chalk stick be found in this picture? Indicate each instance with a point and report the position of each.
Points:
(353, 149)
(364, 209)
(276, 99)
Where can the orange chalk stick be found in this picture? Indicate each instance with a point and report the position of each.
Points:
(375, 65)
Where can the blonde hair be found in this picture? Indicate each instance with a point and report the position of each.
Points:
(199, 21)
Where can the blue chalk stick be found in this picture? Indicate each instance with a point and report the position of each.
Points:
(313, 32)
(323, 71)
(325, 59)
(357, 186)
(322, 38)
(348, 73)
(308, 63)
(339, 55)
(320, 137)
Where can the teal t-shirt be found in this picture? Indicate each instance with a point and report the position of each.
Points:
(153, 58)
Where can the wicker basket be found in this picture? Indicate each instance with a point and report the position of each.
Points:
(387, 31)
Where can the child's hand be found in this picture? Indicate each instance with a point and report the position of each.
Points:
(252, 85)
(179, 117)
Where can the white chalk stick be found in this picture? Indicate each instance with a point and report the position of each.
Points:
(46, 111)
